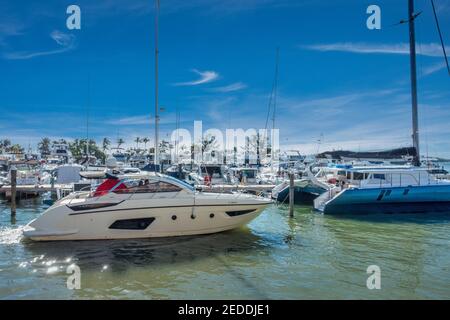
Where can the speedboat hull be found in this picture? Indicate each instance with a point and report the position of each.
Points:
(396, 200)
(149, 223)
(144, 207)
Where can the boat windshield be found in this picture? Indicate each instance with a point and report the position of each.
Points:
(147, 186)
(181, 182)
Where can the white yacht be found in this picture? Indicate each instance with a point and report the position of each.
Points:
(61, 150)
(152, 205)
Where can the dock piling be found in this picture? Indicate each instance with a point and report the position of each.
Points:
(13, 190)
(291, 194)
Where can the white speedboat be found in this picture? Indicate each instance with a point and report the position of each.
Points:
(148, 206)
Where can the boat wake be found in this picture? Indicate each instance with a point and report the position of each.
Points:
(9, 235)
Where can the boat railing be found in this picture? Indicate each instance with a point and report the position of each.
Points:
(321, 201)
(400, 180)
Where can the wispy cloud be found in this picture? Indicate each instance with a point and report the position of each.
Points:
(8, 29)
(425, 49)
(65, 41)
(166, 118)
(205, 77)
(129, 121)
(230, 88)
(433, 68)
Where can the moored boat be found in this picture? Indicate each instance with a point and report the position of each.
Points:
(387, 190)
(144, 207)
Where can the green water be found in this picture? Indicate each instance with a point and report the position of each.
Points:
(308, 257)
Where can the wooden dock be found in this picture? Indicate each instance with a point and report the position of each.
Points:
(25, 191)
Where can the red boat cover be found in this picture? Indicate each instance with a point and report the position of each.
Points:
(107, 185)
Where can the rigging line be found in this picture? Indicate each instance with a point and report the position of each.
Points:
(408, 20)
(440, 36)
(269, 107)
(275, 90)
(271, 98)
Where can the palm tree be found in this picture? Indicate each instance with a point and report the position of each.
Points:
(145, 141)
(44, 146)
(137, 140)
(120, 142)
(16, 149)
(4, 144)
(105, 144)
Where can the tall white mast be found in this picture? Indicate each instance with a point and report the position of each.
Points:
(156, 160)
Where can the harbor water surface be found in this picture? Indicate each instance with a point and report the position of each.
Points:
(310, 256)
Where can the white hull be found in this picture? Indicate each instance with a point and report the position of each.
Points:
(143, 215)
(96, 226)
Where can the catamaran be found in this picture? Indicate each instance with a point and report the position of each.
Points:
(383, 189)
(391, 189)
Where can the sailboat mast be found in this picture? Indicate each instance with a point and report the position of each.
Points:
(412, 51)
(156, 159)
(87, 117)
(275, 88)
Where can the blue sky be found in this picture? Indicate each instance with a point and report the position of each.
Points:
(337, 79)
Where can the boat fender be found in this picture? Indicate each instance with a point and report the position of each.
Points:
(207, 181)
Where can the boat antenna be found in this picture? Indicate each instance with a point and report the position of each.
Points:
(440, 36)
(156, 159)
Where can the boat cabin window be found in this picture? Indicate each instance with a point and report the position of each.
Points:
(379, 176)
(358, 176)
(212, 171)
(438, 171)
(147, 186)
(341, 173)
(250, 174)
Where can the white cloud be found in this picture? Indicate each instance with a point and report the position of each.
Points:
(230, 88)
(166, 118)
(129, 121)
(205, 77)
(64, 40)
(425, 49)
(433, 68)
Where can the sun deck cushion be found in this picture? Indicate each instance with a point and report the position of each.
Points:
(107, 185)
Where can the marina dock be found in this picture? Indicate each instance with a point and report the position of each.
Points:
(26, 191)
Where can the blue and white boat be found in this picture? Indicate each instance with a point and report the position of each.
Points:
(387, 190)
(391, 189)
